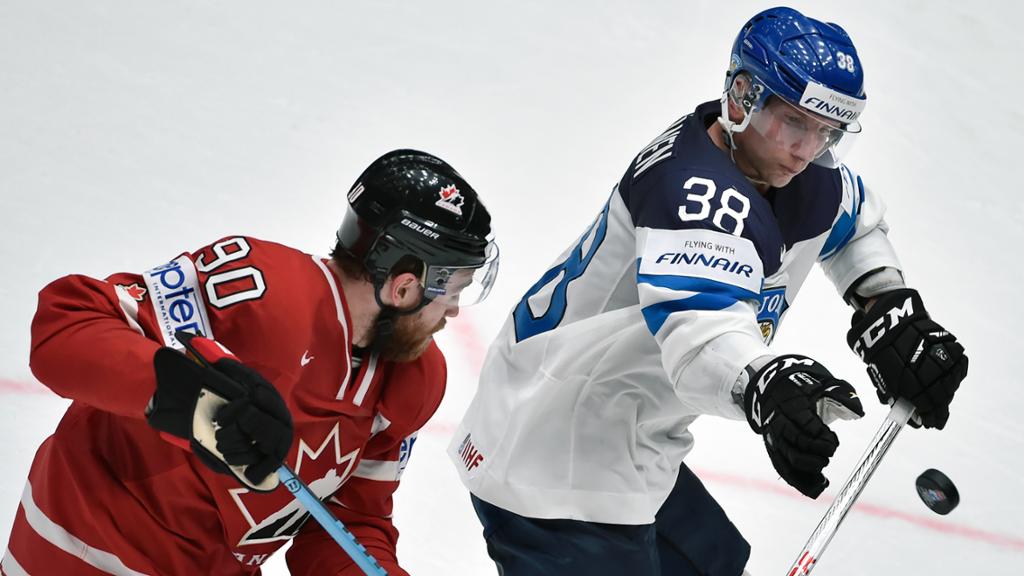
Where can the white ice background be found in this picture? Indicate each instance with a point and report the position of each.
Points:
(132, 131)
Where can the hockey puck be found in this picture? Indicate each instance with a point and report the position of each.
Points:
(937, 491)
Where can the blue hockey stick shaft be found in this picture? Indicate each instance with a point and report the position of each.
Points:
(332, 525)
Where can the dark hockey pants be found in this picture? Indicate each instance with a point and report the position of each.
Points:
(691, 536)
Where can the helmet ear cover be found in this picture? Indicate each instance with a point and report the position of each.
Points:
(747, 99)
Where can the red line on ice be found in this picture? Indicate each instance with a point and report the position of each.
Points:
(8, 386)
(875, 510)
(472, 345)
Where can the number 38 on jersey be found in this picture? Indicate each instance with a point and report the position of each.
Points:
(733, 207)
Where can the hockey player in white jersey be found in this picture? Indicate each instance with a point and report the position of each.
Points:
(664, 309)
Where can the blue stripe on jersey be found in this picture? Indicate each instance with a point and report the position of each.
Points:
(526, 324)
(712, 296)
(656, 314)
(692, 284)
(846, 226)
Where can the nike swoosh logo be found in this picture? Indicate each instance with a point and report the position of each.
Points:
(306, 359)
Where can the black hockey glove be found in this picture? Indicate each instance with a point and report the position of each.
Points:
(248, 427)
(909, 355)
(790, 402)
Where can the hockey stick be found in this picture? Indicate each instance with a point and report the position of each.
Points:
(207, 405)
(841, 504)
(367, 563)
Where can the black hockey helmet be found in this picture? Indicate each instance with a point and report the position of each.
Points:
(411, 203)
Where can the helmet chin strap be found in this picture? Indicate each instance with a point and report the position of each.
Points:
(384, 325)
(729, 128)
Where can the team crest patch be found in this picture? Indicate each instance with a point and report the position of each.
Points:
(451, 200)
(769, 314)
(134, 291)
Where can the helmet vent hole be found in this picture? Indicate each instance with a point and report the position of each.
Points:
(791, 79)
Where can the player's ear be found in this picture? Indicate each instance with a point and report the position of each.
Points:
(739, 87)
(405, 290)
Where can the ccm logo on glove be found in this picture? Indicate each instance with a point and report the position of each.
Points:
(909, 355)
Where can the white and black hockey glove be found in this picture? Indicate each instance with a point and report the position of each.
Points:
(909, 355)
(790, 402)
(233, 420)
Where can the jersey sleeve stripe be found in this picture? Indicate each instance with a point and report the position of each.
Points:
(656, 314)
(381, 470)
(692, 284)
(56, 534)
(9, 565)
(845, 227)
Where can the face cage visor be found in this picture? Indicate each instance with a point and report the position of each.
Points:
(462, 285)
(797, 129)
(801, 132)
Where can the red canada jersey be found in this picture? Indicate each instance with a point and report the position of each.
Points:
(106, 495)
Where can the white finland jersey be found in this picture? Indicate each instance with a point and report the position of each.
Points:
(647, 321)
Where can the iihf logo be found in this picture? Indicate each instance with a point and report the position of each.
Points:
(451, 200)
(470, 456)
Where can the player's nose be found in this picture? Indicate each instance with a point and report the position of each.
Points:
(805, 152)
(806, 149)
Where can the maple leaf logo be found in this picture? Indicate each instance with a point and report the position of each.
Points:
(449, 191)
(134, 291)
(285, 521)
(451, 200)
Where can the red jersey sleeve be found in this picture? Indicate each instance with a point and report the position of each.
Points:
(93, 340)
(411, 395)
(88, 343)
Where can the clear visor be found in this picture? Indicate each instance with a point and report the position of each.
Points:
(803, 133)
(462, 285)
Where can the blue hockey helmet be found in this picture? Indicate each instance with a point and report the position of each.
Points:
(810, 64)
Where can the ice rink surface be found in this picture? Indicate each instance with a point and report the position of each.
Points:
(132, 131)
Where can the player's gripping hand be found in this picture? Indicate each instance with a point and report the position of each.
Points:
(909, 355)
(790, 402)
(230, 415)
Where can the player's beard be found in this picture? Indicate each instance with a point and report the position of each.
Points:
(409, 339)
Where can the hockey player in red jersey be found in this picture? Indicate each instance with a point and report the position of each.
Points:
(338, 367)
